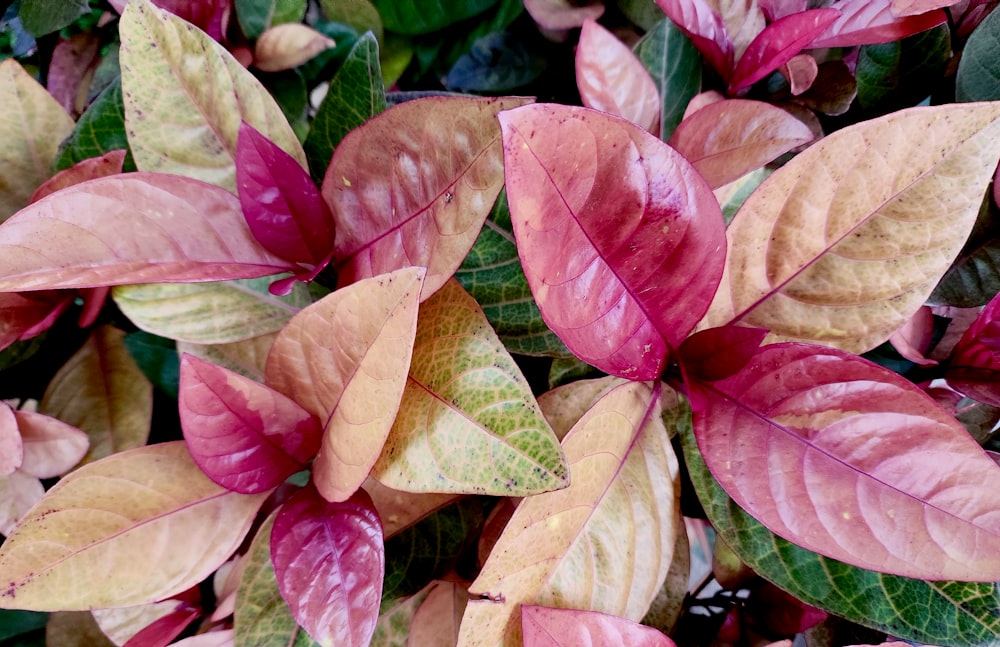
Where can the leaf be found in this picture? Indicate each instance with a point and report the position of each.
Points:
(675, 66)
(978, 77)
(100, 129)
(874, 463)
(120, 520)
(288, 45)
(262, 617)
(424, 16)
(75, 629)
(255, 16)
(557, 15)
(282, 206)
(89, 169)
(974, 278)
(71, 70)
(113, 235)
(612, 79)
(912, 7)
(28, 314)
(896, 75)
(873, 190)
(610, 309)
(165, 629)
(929, 612)
(19, 492)
(101, 391)
(157, 358)
(174, 74)
(31, 126)
(329, 562)
(247, 357)
(51, 447)
(209, 313)
(548, 627)
(705, 29)
(360, 14)
(578, 547)
(492, 274)
(11, 447)
(394, 208)
(351, 381)
(727, 139)
(464, 390)
(400, 510)
(356, 94)
(563, 406)
(42, 17)
(975, 361)
(436, 621)
(864, 22)
(245, 436)
(777, 44)
(122, 624)
(16, 623)
(497, 62)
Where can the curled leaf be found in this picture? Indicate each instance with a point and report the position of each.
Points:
(51, 447)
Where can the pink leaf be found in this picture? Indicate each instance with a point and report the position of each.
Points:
(161, 631)
(912, 7)
(245, 436)
(71, 60)
(974, 367)
(557, 15)
(134, 228)
(25, 315)
(775, 9)
(705, 29)
(602, 211)
(867, 22)
(727, 139)
(849, 460)
(11, 449)
(546, 627)
(801, 71)
(51, 447)
(89, 169)
(777, 44)
(283, 207)
(914, 337)
(612, 79)
(329, 561)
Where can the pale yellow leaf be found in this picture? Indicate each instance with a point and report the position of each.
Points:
(120, 624)
(287, 46)
(564, 405)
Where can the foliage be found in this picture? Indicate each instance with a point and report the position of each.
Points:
(282, 318)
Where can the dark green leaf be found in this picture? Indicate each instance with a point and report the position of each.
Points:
(14, 40)
(99, 130)
(498, 62)
(492, 274)
(978, 77)
(643, 13)
(255, 16)
(15, 623)
(903, 73)
(974, 277)
(356, 95)
(570, 369)
(425, 16)
(157, 357)
(360, 14)
(41, 17)
(675, 66)
(942, 613)
(289, 89)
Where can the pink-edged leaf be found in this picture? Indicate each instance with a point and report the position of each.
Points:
(163, 630)
(727, 139)
(867, 22)
(974, 366)
(851, 461)
(598, 279)
(133, 228)
(89, 169)
(25, 315)
(775, 9)
(777, 44)
(397, 206)
(548, 627)
(329, 561)
(245, 436)
(717, 353)
(283, 207)
(11, 448)
(801, 71)
(912, 7)
(914, 337)
(51, 447)
(557, 15)
(613, 79)
(705, 29)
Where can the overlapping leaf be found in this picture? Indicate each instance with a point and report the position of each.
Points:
(464, 390)
(99, 130)
(50, 446)
(675, 66)
(705, 29)
(861, 465)
(843, 244)
(247, 357)
(975, 362)
(579, 547)
(399, 510)
(978, 77)
(351, 380)
(417, 17)
(108, 164)
(863, 22)
(121, 520)
(185, 97)
(603, 212)
(549, 627)
(413, 186)
(11, 448)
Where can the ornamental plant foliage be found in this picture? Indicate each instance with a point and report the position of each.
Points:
(285, 368)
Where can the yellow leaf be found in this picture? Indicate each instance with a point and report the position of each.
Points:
(287, 46)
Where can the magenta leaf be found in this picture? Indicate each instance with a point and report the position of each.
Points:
(705, 29)
(867, 22)
(283, 207)
(27, 314)
(851, 461)
(245, 436)
(547, 627)
(974, 367)
(597, 259)
(329, 560)
(163, 630)
(777, 44)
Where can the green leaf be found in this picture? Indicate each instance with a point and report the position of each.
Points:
(41, 17)
(99, 130)
(425, 16)
(15, 623)
(492, 274)
(978, 77)
(929, 612)
(216, 312)
(356, 95)
(360, 14)
(497, 62)
(393, 627)
(902, 73)
(256, 16)
(290, 92)
(569, 369)
(438, 52)
(262, 617)
(157, 357)
(974, 277)
(675, 65)
(643, 13)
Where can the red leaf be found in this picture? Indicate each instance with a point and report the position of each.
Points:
(546, 627)
(718, 353)
(245, 436)
(849, 460)
(705, 29)
(602, 211)
(867, 22)
(777, 44)
(974, 367)
(24, 315)
(283, 207)
(329, 561)
(161, 631)
(132, 228)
